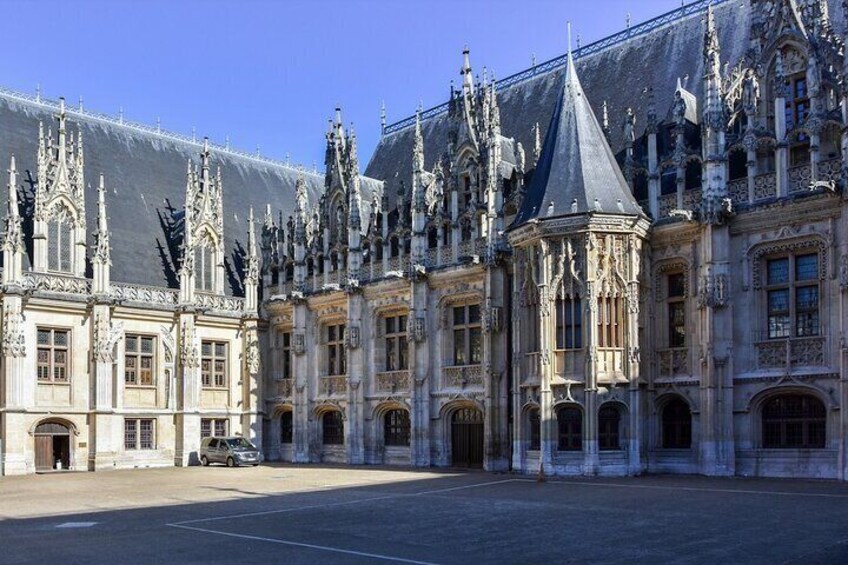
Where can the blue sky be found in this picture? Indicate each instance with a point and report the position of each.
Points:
(269, 74)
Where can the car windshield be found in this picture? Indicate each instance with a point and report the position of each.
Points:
(240, 443)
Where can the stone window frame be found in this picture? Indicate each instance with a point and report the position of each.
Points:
(134, 433)
(139, 355)
(52, 348)
(760, 254)
(662, 272)
(339, 369)
(446, 306)
(213, 358)
(215, 426)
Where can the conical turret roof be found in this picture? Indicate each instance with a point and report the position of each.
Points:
(577, 172)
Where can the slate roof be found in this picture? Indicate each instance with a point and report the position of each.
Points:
(618, 74)
(577, 172)
(145, 176)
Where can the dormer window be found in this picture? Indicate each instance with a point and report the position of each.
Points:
(59, 242)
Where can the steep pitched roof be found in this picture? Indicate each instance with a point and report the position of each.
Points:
(145, 190)
(619, 73)
(577, 172)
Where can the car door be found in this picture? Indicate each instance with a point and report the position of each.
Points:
(212, 451)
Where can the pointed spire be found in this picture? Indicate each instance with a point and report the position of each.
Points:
(301, 205)
(605, 123)
(467, 77)
(102, 250)
(713, 107)
(576, 162)
(13, 239)
(269, 218)
(383, 117)
(537, 143)
(251, 276)
(418, 145)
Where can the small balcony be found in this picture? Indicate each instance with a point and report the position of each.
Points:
(462, 376)
(332, 386)
(392, 382)
(791, 352)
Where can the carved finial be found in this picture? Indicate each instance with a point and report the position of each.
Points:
(383, 116)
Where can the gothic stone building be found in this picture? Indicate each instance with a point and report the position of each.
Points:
(630, 259)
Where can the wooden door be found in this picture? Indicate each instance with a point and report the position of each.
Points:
(44, 453)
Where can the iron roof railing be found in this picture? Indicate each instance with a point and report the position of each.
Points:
(585, 51)
(39, 100)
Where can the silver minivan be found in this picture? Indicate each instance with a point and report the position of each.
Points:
(232, 451)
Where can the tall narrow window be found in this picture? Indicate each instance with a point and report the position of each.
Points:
(286, 353)
(138, 360)
(396, 428)
(204, 265)
(610, 322)
(676, 424)
(397, 351)
(792, 296)
(336, 358)
(797, 100)
(570, 429)
(676, 303)
(213, 364)
(286, 427)
(53, 355)
(569, 323)
(535, 422)
(467, 335)
(59, 245)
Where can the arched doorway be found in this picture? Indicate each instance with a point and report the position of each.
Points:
(467, 438)
(52, 447)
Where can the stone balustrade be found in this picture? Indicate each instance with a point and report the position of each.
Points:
(462, 376)
(392, 382)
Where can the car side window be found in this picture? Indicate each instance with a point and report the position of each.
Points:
(213, 444)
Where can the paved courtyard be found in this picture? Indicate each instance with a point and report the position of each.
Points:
(304, 514)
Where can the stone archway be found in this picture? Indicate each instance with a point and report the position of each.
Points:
(52, 446)
(467, 437)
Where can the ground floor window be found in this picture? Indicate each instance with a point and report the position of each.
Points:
(213, 427)
(609, 425)
(286, 427)
(535, 424)
(676, 424)
(396, 427)
(333, 428)
(139, 434)
(794, 421)
(570, 429)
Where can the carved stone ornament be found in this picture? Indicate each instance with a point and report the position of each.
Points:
(352, 337)
(299, 343)
(713, 291)
(252, 356)
(417, 328)
(189, 355)
(491, 319)
(13, 333)
(106, 335)
(843, 272)
(169, 344)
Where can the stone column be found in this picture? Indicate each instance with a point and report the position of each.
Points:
(104, 425)
(188, 402)
(590, 399)
(781, 156)
(354, 426)
(653, 176)
(19, 391)
(495, 371)
(301, 378)
(548, 439)
(419, 370)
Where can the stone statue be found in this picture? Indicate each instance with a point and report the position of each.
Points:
(750, 92)
(629, 126)
(679, 108)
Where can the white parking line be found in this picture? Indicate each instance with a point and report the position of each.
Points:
(306, 545)
(344, 503)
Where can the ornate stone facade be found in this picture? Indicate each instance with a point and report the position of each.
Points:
(664, 296)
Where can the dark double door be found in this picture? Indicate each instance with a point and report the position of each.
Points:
(467, 438)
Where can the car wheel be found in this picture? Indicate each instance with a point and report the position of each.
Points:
(204, 461)
(231, 462)
(256, 464)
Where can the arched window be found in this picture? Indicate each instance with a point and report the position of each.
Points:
(333, 428)
(570, 429)
(534, 420)
(204, 268)
(59, 245)
(609, 426)
(286, 427)
(676, 425)
(794, 421)
(396, 427)
(432, 238)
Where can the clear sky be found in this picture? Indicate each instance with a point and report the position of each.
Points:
(269, 74)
